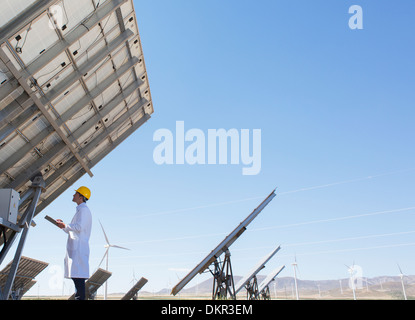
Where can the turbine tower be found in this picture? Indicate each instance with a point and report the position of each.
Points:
(295, 267)
(106, 254)
(401, 275)
(351, 271)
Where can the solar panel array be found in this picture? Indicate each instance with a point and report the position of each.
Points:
(26, 273)
(223, 246)
(73, 86)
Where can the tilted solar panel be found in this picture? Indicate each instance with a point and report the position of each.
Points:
(254, 271)
(94, 283)
(27, 271)
(73, 86)
(270, 277)
(133, 291)
(223, 247)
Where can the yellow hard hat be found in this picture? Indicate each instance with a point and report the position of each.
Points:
(85, 192)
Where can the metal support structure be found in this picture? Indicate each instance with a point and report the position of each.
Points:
(252, 289)
(265, 294)
(223, 283)
(38, 184)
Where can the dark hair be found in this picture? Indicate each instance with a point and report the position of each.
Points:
(84, 199)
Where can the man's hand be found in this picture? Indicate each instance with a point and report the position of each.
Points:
(60, 223)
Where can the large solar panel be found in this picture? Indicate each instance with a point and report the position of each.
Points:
(73, 86)
(252, 273)
(263, 288)
(94, 283)
(26, 273)
(131, 294)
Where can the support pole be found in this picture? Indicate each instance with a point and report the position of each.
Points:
(252, 289)
(265, 294)
(38, 185)
(223, 283)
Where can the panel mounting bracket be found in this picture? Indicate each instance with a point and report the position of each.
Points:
(38, 184)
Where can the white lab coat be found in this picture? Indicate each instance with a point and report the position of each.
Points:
(77, 247)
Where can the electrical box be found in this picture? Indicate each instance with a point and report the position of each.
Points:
(9, 205)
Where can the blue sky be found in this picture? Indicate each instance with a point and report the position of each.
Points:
(335, 107)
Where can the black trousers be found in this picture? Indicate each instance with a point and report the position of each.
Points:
(80, 288)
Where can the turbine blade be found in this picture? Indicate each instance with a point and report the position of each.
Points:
(105, 235)
(400, 270)
(349, 269)
(106, 252)
(119, 247)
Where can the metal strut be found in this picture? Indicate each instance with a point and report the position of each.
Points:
(223, 283)
(252, 289)
(38, 185)
(265, 294)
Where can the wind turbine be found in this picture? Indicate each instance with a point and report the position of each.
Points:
(108, 246)
(134, 281)
(295, 267)
(351, 272)
(134, 278)
(403, 287)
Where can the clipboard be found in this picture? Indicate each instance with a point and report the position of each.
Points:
(51, 220)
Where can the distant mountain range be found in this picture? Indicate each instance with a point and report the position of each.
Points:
(382, 287)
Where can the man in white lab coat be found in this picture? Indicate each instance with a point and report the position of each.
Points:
(77, 247)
